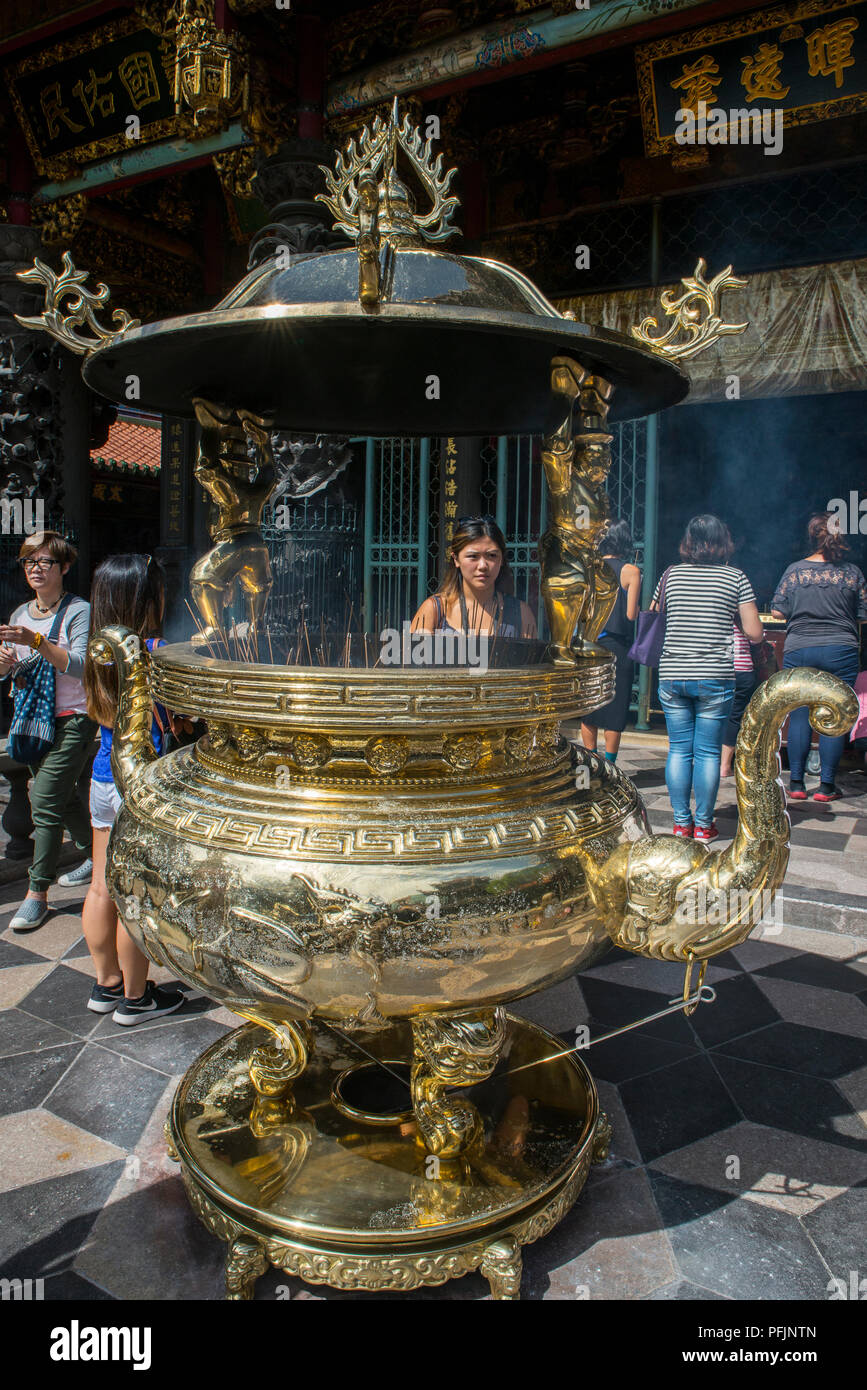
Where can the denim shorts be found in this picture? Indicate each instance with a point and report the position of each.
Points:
(105, 802)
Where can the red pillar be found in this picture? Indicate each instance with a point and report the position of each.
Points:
(310, 73)
(21, 177)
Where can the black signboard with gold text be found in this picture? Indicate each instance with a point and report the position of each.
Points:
(74, 99)
(808, 60)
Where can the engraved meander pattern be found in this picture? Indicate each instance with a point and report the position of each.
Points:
(175, 795)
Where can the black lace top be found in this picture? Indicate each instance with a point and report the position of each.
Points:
(822, 603)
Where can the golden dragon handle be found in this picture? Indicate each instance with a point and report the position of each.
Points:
(674, 899)
(132, 747)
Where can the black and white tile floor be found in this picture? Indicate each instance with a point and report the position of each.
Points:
(738, 1168)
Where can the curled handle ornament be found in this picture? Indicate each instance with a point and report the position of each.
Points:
(132, 748)
(674, 899)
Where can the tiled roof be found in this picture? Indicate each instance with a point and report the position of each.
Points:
(132, 447)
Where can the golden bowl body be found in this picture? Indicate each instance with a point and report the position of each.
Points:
(366, 845)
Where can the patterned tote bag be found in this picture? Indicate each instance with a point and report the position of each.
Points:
(32, 731)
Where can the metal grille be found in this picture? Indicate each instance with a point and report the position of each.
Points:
(513, 489)
(618, 241)
(801, 219)
(796, 219)
(626, 481)
(316, 564)
(627, 494)
(397, 532)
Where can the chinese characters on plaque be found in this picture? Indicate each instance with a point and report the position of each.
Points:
(75, 99)
(812, 67)
(174, 480)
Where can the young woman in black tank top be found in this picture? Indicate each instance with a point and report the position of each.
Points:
(473, 594)
(616, 546)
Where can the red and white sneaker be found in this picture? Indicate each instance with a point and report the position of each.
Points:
(706, 832)
(684, 831)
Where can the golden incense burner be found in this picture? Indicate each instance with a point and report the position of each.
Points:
(368, 862)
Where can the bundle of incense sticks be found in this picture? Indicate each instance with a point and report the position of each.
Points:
(333, 649)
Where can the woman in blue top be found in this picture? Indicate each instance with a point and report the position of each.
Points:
(129, 590)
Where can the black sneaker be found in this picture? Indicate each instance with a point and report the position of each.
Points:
(104, 998)
(154, 1002)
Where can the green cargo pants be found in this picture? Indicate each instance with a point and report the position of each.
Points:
(54, 799)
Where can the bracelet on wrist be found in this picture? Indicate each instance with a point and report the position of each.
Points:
(38, 639)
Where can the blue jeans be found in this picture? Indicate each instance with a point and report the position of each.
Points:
(696, 714)
(842, 662)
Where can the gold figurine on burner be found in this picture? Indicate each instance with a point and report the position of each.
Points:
(236, 468)
(578, 587)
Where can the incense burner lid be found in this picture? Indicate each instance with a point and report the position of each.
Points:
(455, 345)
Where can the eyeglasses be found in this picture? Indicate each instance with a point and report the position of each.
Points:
(37, 564)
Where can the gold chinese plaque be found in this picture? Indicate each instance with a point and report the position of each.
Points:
(808, 61)
(74, 100)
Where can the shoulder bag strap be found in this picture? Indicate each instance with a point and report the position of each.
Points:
(665, 575)
(58, 619)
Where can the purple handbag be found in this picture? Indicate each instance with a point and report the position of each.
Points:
(650, 631)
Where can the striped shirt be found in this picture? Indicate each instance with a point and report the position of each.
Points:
(700, 605)
(743, 652)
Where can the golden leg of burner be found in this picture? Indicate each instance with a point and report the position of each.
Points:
(602, 1138)
(170, 1143)
(245, 1261)
(274, 1068)
(452, 1050)
(501, 1267)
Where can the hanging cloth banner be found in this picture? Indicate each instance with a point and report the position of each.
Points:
(807, 332)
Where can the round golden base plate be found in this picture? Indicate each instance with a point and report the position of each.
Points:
(295, 1183)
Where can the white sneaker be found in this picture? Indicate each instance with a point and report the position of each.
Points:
(76, 878)
(30, 915)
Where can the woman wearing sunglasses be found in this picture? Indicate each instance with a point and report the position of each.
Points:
(45, 558)
(475, 593)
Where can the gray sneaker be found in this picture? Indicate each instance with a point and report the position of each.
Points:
(77, 877)
(30, 915)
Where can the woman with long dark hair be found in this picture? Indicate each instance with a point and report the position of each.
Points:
(822, 599)
(697, 668)
(475, 594)
(45, 557)
(128, 590)
(617, 548)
